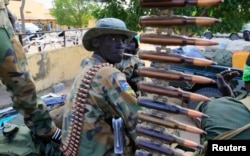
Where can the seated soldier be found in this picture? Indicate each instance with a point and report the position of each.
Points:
(227, 112)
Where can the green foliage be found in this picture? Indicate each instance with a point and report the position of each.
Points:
(128, 11)
(233, 13)
(74, 13)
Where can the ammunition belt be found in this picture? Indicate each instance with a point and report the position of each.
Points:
(70, 148)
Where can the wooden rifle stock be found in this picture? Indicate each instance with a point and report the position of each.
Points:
(174, 40)
(169, 108)
(177, 3)
(166, 122)
(173, 58)
(173, 75)
(171, 92)
(164, 21)
(154, 146)
(162, 134)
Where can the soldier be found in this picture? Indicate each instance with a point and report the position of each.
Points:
(100, 92)
(129, 64)
(20, 83)
(228, 114)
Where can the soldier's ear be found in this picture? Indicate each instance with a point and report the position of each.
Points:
(95, 43)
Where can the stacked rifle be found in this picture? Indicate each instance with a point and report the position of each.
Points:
(154, 137)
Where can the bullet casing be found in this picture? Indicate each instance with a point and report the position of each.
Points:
(174, 40)
(169, 108)
(171, 92)
(177, 3)
(157, 147)
(172, 58)
(164, 135)
(164, 21)
(166, 122)
(173, 75)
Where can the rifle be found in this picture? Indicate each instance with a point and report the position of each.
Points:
(167, 122)
(163, 21)
(174, 40)
(177, 3)
(173, 75)
(157, 147)
(171, 91)
(170, 108)
(162, 134)
(173, 58)
(118, 130)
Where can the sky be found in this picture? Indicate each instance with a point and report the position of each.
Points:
(47, 3)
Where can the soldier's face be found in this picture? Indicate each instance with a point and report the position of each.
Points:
(130, 46)
(112, 47)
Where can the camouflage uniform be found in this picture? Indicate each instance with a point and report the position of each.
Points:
(109, 96)
(127, 66)
(18, 81)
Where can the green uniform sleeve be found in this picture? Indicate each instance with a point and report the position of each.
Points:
(22, 87)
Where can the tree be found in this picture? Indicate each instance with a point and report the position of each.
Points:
(74, 13)
(128, 11)
(233, 13)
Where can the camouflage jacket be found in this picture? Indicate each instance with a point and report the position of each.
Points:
(109, 96)
(127, 66)
(19, 82)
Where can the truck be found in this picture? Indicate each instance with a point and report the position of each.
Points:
(209, 90)
(243, 34)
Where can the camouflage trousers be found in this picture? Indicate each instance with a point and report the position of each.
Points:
(22, 87)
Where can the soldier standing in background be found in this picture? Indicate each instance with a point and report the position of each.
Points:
(130, 64)
(20, 84)
(229, 116)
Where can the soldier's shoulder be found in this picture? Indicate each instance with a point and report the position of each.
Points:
(108, 70)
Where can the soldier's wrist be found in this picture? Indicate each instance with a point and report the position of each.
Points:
(57, 136)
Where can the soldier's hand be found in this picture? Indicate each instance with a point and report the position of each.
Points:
(224, 79)
(57, 136)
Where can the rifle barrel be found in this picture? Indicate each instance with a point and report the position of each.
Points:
(168, 123)
(164, 135)
(172, 58)
(169, 108)
(173, 75)
(174, 40)
(157, 147)
(171, 91)
(164, 21)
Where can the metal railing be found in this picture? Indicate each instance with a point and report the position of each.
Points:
(43, 41)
